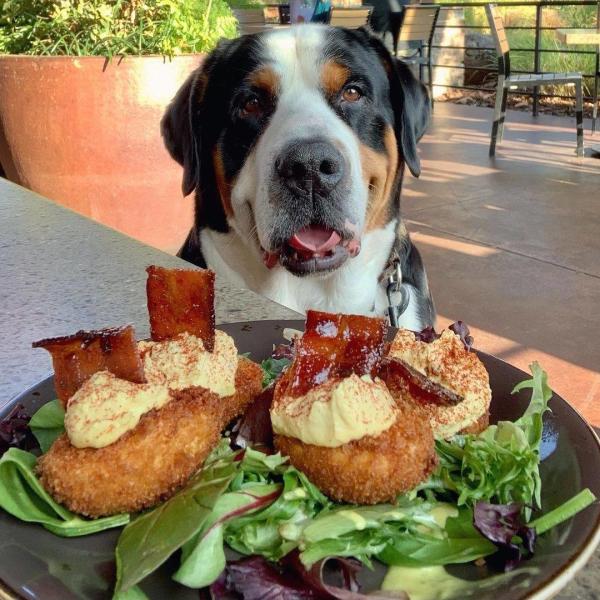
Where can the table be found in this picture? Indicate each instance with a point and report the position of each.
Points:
(60, 272)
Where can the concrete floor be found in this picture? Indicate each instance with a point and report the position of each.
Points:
(512, 244)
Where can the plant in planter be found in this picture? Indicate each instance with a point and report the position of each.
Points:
(83, 85)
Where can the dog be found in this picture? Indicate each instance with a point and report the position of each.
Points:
(295, 142)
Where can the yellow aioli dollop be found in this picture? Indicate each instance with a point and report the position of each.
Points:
(425, 583)
(336, 412)
(183, 362)
(106, 407)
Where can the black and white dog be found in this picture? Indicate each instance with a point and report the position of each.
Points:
(295, 142)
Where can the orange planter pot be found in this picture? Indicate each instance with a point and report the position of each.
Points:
(85, 133)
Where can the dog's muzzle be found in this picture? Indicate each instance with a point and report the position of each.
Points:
(311, 176)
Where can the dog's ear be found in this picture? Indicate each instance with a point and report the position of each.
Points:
(410, 103)
(178, 133)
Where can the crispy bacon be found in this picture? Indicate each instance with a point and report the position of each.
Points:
(400, 377)
(336, 345)
(181, 300)
(77, 357)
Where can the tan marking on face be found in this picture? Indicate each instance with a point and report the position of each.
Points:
(265, 79)
(223, 185)
(379, 172)
(333, 77)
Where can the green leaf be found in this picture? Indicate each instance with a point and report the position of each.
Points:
(563, 512)
(272, 368)
(147, 542)
(22, 495)
(203, 557)
(206, 561)
(48, 423)
(133, 593)
(460, 543)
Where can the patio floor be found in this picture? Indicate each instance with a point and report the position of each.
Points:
(512, 244)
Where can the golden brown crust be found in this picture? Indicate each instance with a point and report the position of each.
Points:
(478, 425)
(373, 469)
(150, 462)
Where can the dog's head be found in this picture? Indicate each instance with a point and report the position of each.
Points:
(297, 139)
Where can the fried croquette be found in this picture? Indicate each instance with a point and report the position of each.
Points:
(373, 469)
(149, 463)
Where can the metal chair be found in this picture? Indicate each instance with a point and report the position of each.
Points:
(508, 82)
(350, 18)
(414, 27)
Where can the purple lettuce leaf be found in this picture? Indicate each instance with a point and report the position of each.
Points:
(287, 350)
(460, 328)
(462, 331)
(503, 525)
(15, 432)
(254, 427)
(255, 578)
(427, 335)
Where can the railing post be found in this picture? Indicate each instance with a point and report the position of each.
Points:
(536, 54)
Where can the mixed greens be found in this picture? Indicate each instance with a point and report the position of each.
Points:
(477, 504)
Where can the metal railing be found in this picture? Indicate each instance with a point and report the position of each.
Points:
(537, 49)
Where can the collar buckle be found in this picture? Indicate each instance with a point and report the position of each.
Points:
(395, 286)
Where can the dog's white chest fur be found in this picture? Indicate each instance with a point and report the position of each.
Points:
(354, 288)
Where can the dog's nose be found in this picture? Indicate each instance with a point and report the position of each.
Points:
(310, 166)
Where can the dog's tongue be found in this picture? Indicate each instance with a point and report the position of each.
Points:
(315, 239)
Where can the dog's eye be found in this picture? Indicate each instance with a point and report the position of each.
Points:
(352, 94)
(251, 106)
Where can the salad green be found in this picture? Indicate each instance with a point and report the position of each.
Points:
(22, 495)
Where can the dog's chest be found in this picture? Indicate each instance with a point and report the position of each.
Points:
(354, 288)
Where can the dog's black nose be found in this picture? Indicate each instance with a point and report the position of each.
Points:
(313, 166)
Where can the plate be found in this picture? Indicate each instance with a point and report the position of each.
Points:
(37, 564)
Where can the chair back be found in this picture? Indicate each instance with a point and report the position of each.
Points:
(500, 39)
(418, 23)
(351, 18)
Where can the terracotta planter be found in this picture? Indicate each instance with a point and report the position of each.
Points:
(85, 133)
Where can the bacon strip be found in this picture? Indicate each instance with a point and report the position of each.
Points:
(181, 301)
(400, 377)
(335, 345)
(77, 357)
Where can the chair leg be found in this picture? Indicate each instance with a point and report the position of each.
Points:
(430, 81)
(497, 116)
(502, 114)
(579, 115)
(595, 100)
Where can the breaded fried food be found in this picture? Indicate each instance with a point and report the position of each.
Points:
(372, 469)
(150, 462)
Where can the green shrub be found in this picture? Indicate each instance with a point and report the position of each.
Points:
(112, 28)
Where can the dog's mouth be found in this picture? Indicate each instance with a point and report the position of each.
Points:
(313, 249)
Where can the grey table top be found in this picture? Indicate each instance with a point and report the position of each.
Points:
(60, 272)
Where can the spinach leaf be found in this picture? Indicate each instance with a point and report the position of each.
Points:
(48, 423)
(148, 541)
(272, 368)
(22, 495)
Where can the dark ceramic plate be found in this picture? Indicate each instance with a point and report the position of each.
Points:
(36, 564)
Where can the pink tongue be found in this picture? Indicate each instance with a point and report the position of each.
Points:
(315, 239)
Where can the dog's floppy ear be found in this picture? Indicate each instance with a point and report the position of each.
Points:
(178, 133)
(410, 103)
